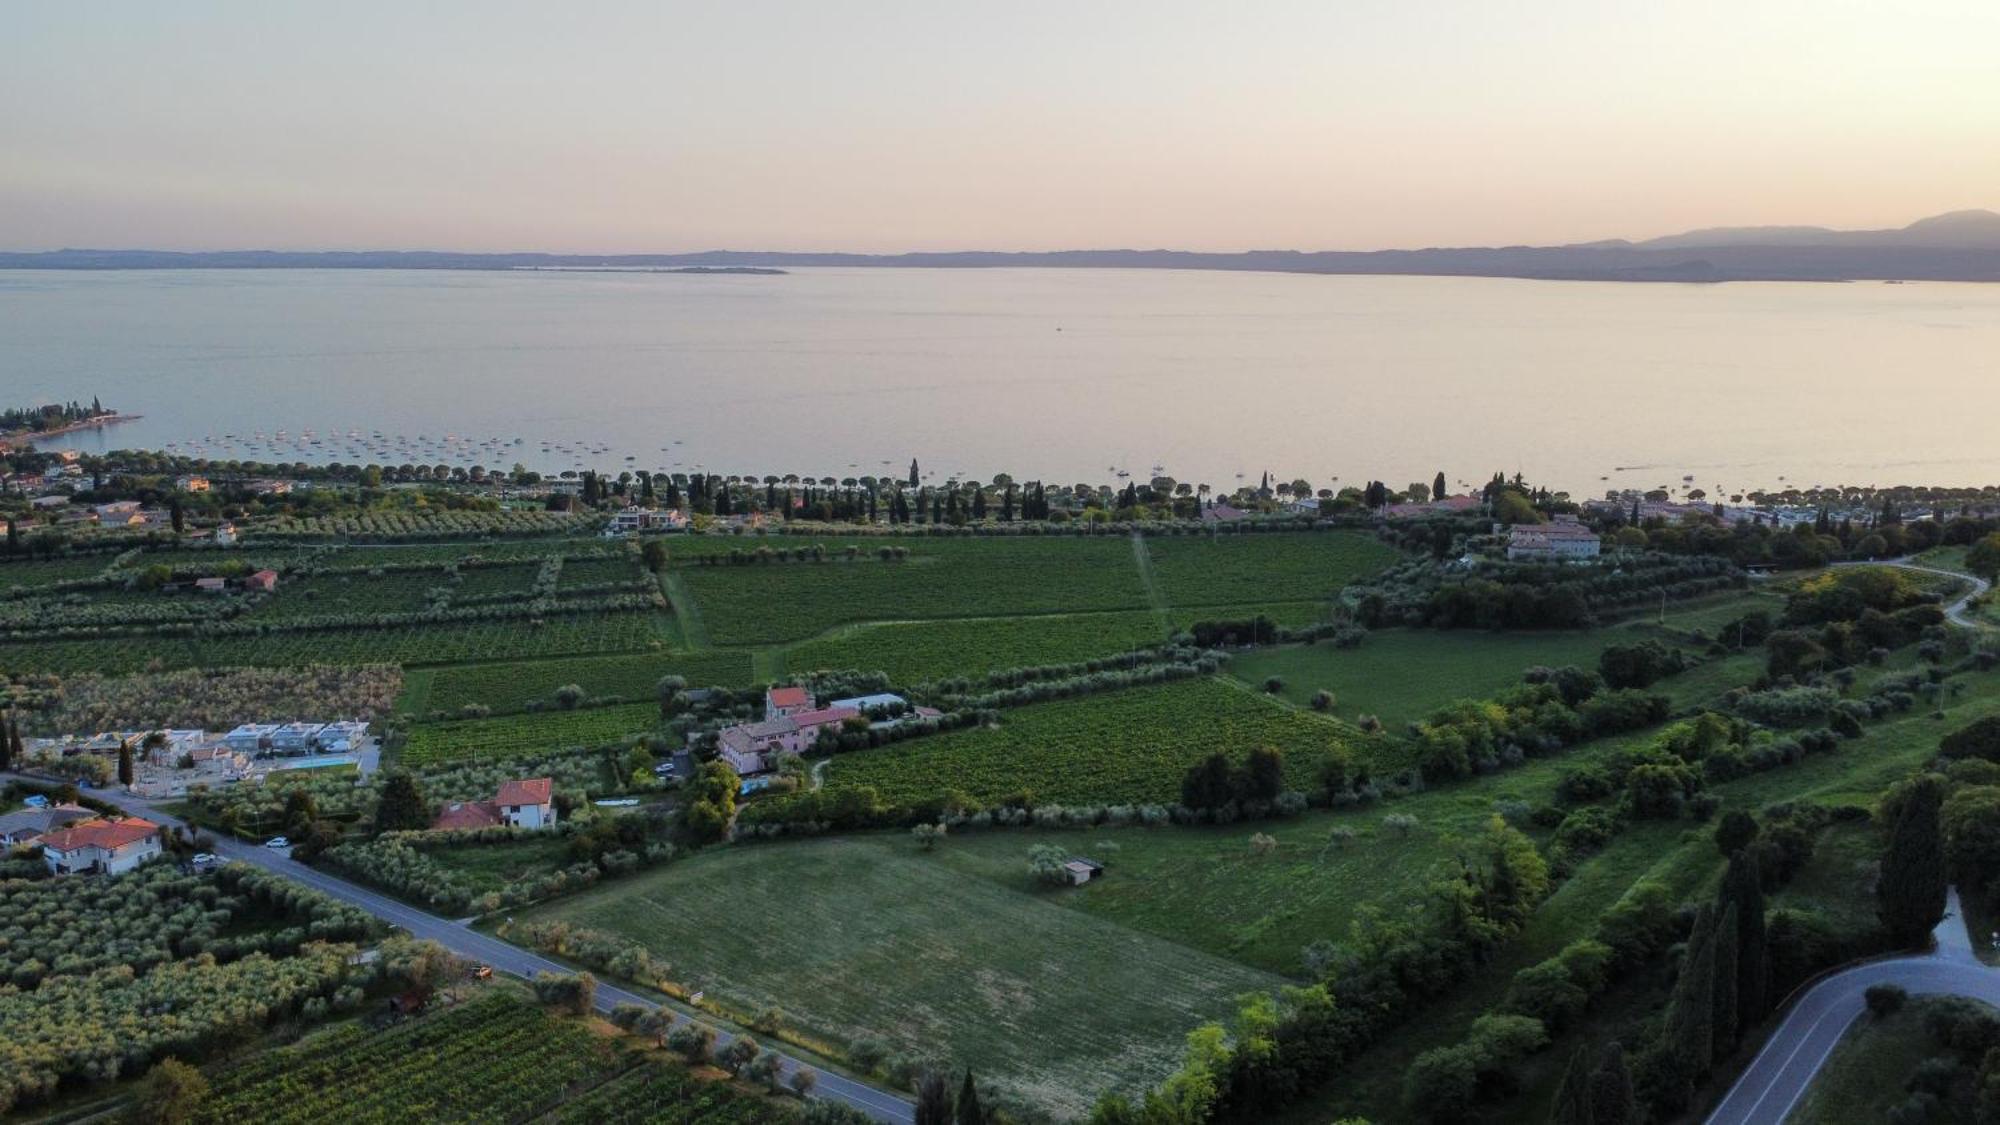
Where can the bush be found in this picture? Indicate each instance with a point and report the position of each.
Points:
(1322, 700)
(1886, 999)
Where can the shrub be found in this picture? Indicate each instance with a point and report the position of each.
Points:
(1886, 999)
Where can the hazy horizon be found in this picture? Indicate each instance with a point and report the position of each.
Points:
(780, 125)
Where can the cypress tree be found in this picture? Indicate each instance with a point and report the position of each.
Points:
(913, 473)
(933, 1101)
(1573, 1097)
(125, 762)
(401, 806)
(7, 736)
(968, 1112)
(1910, 893)
(1611, 1099)
(1725, 943)
(1007, 506)
(1687, 1041)
(978, 513)
(1437, 486)
(1743, 892)
(20, 748)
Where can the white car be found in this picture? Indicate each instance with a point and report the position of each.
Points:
(277, 842)
(204, 859)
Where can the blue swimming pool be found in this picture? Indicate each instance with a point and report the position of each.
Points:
(314, 763)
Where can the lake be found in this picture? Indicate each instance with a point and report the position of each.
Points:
(1062, 374)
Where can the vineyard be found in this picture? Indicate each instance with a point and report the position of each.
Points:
(914, 652)
(656, 1094)
(517, 736)
(497, 1059)
(763, 603)
(1128, 747)
(511, 686)
(1232, 569)
(441, 524)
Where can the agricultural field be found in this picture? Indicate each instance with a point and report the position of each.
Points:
(494, 1059)
(491, 581)
(449, 643)
(515, 736)
(600, 571)
(490, 866)
(1127, 746)
(867, 938)
(767, 603)
(28, 574)
(327, 595)
(505, 687)
(1290, 615)
(659, 1094)
(911, 652)
(394, 524)
(1241, 569)
(1403, 675)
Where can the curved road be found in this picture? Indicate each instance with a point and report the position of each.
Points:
(484, 948)
(1959, 611)
(1781, 1073)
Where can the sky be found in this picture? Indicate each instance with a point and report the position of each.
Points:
(894, 125)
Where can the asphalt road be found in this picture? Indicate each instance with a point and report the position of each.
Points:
(1779, 1076)
(504, 957)
(1959, 611)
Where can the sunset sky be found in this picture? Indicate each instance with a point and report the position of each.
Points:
(1030, 124)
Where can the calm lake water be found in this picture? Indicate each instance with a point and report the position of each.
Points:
(1055, 373)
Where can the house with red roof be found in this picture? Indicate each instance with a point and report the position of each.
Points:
(262, 581)
(792, 724)
(519, 804)
(786, 701)
(92, 847)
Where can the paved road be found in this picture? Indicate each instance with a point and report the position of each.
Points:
(1782, 1071)
(504, 957)
(1958, 611)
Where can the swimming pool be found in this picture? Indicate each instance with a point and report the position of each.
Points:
(313, 763)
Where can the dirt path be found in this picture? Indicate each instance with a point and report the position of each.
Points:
(1154, 598)
(694, 634)
(1959, 612)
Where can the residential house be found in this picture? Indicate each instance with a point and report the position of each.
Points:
(49, 502)
(295, 738)
(751, 748)
(191, 484)
(522, 804)
(1562, 539)
(117, 511)
(1222, 513)
(225, 535)
(343, 737)
(271, 487)
(250, 737)
(263, 581)
(786, 701)
(110, 847)
(527, 804)
(630, 520)
(1450, 505)
(23, 825)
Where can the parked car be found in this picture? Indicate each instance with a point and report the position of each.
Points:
(277, 842)
(483, 972)
(206, 859)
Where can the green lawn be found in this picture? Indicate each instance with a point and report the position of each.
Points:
(858, 938)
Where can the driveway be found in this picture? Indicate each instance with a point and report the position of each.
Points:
(504, 957)
(1784, 1069)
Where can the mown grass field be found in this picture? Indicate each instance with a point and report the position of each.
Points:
(914, 651)
(1403, 675)
(509, 686)
(512, 736)
(1127, 746)
(859, 938)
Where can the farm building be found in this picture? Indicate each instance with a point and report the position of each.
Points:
(1559, 540)
(1082, 870)
(263, 581)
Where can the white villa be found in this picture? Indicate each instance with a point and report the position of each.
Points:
(1562, 539)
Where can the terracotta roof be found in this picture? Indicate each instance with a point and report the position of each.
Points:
(467, 814)
(789, 697)
(824, 715)
(107, 834)
(536, 791)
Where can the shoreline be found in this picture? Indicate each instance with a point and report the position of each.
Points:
(29, 437)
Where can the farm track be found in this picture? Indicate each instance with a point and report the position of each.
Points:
(1155, 598)
(694, 633)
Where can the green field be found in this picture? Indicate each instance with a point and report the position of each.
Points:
(505, 687)
(514, 736)
(1238, 569)
(914, 651)
(942, 578)
(869, 938)
(1403, 675)
(1127, 746)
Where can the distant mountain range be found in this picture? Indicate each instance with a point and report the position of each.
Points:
(1960, 246)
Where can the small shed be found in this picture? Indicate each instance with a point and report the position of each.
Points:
(1082, 870)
